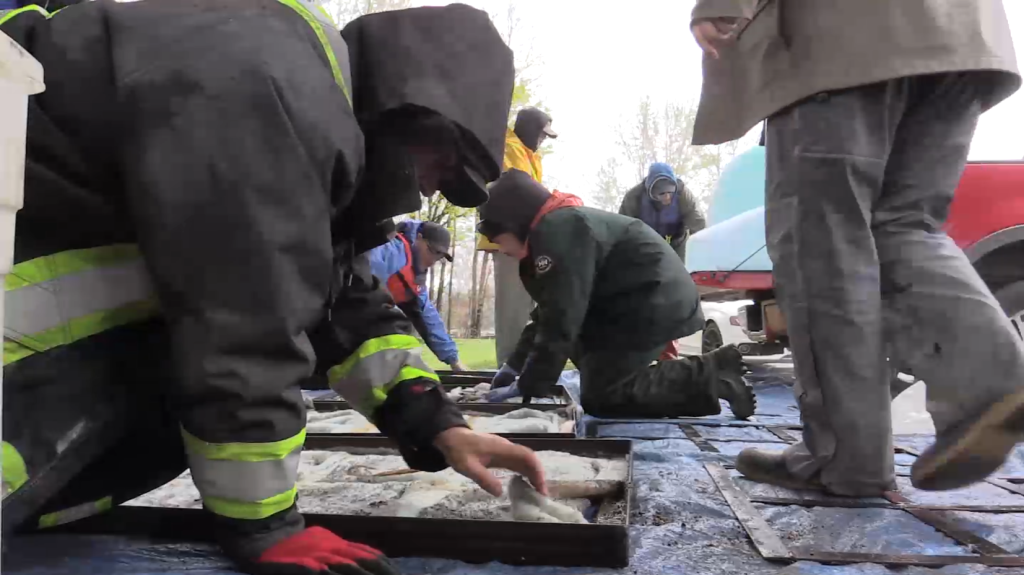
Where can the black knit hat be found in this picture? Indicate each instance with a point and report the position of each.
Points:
(515, 198)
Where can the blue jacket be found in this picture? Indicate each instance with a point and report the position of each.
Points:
(386, 261)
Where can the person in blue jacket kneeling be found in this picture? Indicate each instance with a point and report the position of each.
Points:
(402, 264)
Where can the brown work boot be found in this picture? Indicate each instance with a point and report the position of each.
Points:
(770, 467)
(972, 450)
(729, 369)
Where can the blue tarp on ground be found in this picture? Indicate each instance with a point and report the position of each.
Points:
(682, 524)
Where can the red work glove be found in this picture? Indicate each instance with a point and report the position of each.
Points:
(320, 552)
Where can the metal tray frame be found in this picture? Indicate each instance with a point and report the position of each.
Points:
(451, 380)
(510, 436)
(475, 541)
(490, 408)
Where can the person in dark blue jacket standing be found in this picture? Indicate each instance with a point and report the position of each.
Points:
(402, 265)
(663, 202)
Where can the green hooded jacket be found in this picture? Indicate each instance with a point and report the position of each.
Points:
(603, 283)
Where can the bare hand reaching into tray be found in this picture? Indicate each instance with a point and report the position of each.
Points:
(472, 453)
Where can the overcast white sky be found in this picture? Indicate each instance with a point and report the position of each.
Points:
(595, 63)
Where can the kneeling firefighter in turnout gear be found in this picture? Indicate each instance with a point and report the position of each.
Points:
(190, 247)
(402, 264)
(610, 295)
(870, 109)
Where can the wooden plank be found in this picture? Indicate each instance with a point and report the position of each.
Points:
(699, 440)
(782, 434)
(732, 440)
(1006, 485)
(835, 558)
(947, 524)
(852, 503)
(831, 502)
(907, 450)
(767, 542)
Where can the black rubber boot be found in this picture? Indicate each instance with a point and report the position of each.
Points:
(727, 367)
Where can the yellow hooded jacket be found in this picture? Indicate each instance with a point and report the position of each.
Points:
(517, 156)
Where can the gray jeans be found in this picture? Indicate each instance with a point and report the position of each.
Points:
(859, 184)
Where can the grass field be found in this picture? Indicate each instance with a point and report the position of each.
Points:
(475, 353)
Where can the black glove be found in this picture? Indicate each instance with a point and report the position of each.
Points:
(504, 378)
(530, 389)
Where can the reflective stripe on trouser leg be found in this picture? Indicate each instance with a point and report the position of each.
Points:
(245, 480)
(61, 298)
(75, 513)
(379, 364)
(14, 472)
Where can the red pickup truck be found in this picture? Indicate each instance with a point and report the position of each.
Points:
(986, 220)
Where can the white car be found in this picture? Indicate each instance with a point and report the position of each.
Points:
(724, 324)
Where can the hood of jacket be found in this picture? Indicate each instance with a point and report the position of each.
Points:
(530, 123)
(517, 202)
(448, 60)
(557, 201)
(658, 171)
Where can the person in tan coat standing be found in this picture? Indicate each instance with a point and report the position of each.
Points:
(871, 106)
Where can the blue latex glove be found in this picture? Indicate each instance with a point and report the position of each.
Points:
(503, 393)
(505, 377)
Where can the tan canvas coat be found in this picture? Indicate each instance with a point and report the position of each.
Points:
(792, 49)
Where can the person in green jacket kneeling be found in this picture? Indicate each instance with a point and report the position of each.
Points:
(611, 294)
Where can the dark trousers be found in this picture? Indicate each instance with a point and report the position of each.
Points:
(93, 422)
(626, 384)
(859, 184)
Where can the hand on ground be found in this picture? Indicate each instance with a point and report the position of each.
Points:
(472, 454)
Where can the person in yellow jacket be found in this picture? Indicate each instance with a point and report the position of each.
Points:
(532, 127)
(512, 304)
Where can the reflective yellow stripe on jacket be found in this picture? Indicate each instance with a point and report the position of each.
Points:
(245, 480)
(379, 364)
(59, 299)
(327, 32)
(6, 15)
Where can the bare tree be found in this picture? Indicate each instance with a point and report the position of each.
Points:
(344, 11)
(451, 274)
(474, 292)
(478, 309)
(665, 136)
(639, 142)
(609, 192)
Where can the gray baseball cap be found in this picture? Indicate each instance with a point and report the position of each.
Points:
(438, 238)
